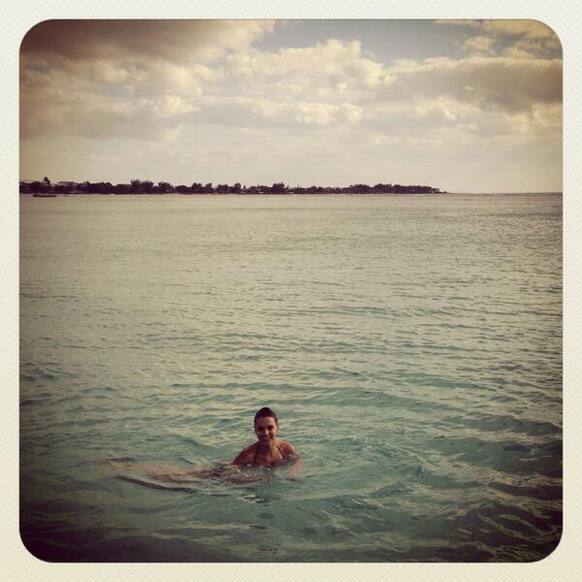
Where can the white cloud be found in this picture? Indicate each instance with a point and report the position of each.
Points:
(330, 83)
(324, 114)
(332, 70)
(122, 78)
(262, 112)
(480, 46)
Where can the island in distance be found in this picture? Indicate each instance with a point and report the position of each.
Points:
(47, 189)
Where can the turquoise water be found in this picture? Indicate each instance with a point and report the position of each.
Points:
(410, 344)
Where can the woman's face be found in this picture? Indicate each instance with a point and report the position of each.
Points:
(266, 428)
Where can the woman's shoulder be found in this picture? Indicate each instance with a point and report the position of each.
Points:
(287, 449)
(246, 456)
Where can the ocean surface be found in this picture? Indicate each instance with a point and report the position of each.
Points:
(411, 345)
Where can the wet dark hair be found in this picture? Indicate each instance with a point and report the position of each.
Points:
(266, 411)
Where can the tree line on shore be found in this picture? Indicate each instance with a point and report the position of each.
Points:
(148, 187)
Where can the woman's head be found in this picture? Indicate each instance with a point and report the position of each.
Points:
(266, 424)
(265, 412)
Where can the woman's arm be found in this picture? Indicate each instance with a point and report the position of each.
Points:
(291, 455)
(295, 468)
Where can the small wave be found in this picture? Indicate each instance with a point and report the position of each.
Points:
(47, 372)
(119, 459)
(155, 484)
(543, 491)
(517, 448)
(36, 400)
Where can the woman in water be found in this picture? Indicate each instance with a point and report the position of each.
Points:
(268, 451)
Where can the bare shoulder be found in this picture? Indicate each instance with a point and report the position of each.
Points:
(287, 449)
(246, 456)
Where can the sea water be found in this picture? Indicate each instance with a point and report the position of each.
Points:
(411, 345)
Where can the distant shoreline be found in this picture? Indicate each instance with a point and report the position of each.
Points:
(270, 194)
(46, 188)
(254, 194)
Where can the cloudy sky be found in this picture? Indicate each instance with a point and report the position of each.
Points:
(466, 106)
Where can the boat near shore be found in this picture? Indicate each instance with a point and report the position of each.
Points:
(43, 195)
